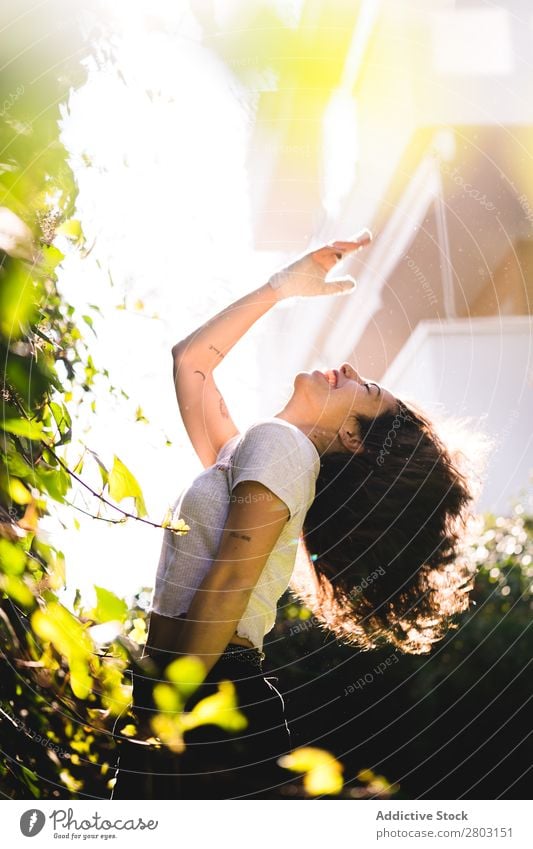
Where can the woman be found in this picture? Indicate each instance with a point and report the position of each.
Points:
(364, 482)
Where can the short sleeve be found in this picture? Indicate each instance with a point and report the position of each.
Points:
(227, 446)
(270, 454)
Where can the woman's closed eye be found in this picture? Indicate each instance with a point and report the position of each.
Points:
(371, 383)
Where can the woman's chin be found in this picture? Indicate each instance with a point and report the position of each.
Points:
(301, 378)
(309, 375)
(309, 393)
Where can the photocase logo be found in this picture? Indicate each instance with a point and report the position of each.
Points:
(32, 822)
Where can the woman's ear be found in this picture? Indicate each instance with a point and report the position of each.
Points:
(351, 438)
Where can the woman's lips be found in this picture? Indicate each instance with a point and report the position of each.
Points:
(332, 377)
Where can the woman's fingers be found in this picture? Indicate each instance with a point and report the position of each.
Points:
(363, 236)
(331, 253)
(306, 275)
(357, 242)
(327, 257)
(338, 287)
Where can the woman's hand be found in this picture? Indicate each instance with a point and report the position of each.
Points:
(305, 277)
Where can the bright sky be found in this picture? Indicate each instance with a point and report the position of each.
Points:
(165, 202)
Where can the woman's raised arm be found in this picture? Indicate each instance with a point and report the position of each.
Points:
(203, 409)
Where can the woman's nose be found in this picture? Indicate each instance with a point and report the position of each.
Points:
(348, 371)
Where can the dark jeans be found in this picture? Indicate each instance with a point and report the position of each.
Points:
(216, 764)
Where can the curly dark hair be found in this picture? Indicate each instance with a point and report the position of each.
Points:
(382, 537)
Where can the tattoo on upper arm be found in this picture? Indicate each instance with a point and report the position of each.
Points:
(240, 536)
(212, 348)
(222, 405)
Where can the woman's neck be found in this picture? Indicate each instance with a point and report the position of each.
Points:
(324, 439)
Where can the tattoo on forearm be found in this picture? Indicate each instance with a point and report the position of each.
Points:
(212, 348)
(197, 371)
(240, 536)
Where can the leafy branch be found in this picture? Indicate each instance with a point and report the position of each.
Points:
(127, 486)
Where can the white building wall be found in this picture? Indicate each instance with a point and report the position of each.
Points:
(479, 368)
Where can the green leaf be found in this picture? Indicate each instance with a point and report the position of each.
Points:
(186, 673)
(20, 294)
(139, 415)
(102, 468)
(167, 727)
(322, 772)
(138, 632)
(89, 321)
(23, 427)
(178, 526)
(31, 779)
(219, 709)
(167, 698)
(62, 419)
(17, 491)
(26, 376)
(72, 229)
(16, 464)
(56, 482)
(16, 589)
(90, 371)
(52, 256)
(58, 626)
(12, 558)
(109, 607)
(122, 484)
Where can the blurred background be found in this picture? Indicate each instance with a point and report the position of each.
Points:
(202, 145)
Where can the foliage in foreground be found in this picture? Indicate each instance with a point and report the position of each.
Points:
(61, 693)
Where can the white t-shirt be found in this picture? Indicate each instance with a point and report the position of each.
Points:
(281, 457)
